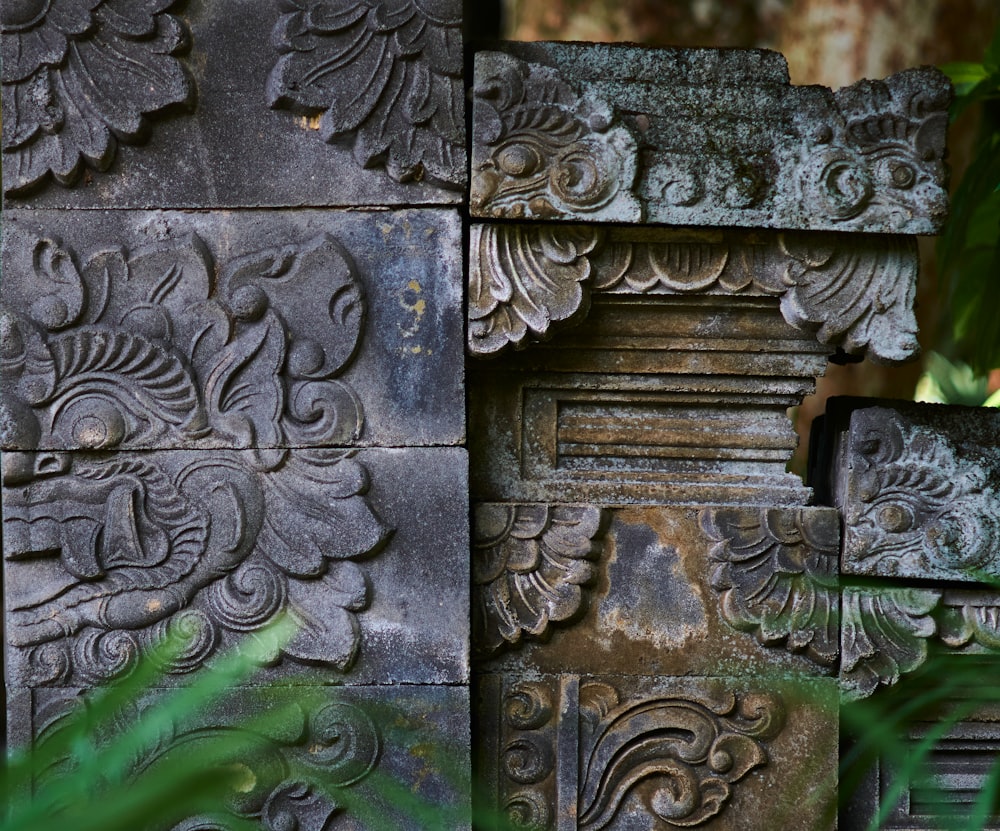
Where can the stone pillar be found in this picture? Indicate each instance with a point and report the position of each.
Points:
(232, 362)
(657, 609)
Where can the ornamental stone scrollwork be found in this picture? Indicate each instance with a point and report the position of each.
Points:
(531, 568)
(915, 503)
(105, 551)
(882, 153)
(855, 296)
(295, 761)
(541, 150)
(776, 571)
(386, 75)
(81, 75)
(680, 756)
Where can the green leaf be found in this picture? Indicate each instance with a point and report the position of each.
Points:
(965, 75)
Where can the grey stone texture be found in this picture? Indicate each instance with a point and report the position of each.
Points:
(618, 133)
(316, 757)
(251, 329)
(171, 105)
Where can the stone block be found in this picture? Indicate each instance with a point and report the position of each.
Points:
(259, 329)
(619, 133)
(655, 591)
(366, 551)
(314, 757)
(569, 752)
(919, 488)
(177, 107)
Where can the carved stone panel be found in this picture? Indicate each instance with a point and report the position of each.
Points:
(316, 757)
(302, 103)
(569, 752)
(855, 294)
(163, 329)
(919, 488)
(655, 590)
(657, 399)
(367, 551)
(598, 133)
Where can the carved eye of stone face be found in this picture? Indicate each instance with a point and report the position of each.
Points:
(101, 427)
(16, 15)
(518, 160)
(895, 518)
(898, 174)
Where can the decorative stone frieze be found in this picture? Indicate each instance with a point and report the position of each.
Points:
(79, 76)
(599, 133)
(853, 294)
(606, 752)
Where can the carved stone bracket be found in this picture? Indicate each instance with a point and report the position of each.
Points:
(724, 138)
(385, 79)
(854, 294)
(666, 758)
(78, 77)
(532, 566)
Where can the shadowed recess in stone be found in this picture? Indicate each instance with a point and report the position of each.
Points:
(599, 133)
(79, 76)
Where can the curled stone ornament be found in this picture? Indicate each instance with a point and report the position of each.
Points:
(527, 760)
(528, 706)
(79, 76)
(529, 811)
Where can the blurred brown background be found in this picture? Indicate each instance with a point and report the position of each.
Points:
(828, 42)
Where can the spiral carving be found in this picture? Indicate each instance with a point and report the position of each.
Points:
(343, 741)
(527, 761)
(528, 706)
(49, 664)
(102, 656)
(249, 597)
(529, 811)
(198, 635)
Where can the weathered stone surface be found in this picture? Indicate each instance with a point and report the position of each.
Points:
(854, 293)
(165, 329)
(366, 551)
(919, 488)
(298, 105)
(599, 133)
(583, 752)
(321, 757)
(657, 399)
(650, 591)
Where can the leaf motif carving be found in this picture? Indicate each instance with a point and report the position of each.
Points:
(80, 76)
(530, 565)
(386, 76)
(524, 279)
(776, 571)
(681, 756)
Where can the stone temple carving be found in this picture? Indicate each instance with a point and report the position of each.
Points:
(526, 279)
(531, 564)
(78, 77)
(725, 141)
(386, 76)
(134, 347)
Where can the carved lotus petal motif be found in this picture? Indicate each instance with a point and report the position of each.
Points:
(885, 634)
(81, 75)
(857, 299)
(530, 564)
(524, 279)
(387, 77)
(680, 756)
(776, 570)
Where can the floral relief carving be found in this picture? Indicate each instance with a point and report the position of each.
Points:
(386, 76)
(531, 567)
(79, 76)
(141, 346)
(776, 571)
(857, 297)
(542, 151)
(881, 152)
(681, 756)
(914, 506)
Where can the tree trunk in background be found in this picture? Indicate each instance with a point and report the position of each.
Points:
(828, 42)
